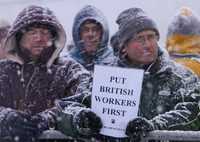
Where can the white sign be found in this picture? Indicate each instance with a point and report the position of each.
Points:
(115, 97)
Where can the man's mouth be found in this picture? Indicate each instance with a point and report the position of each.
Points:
(37, 49)
(92, 42)
(146, 52)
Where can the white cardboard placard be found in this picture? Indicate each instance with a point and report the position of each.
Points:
(115, 97)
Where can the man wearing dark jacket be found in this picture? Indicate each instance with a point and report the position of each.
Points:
(90, 37)
(168, 90)
(32, 76)
(166, 98)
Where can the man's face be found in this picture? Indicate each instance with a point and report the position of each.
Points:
(143, 48)
(35, 40)
(90, 33)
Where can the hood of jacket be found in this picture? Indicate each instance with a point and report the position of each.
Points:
(89, 13)
(30, 15)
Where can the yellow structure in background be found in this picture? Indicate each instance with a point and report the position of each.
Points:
(183, 39)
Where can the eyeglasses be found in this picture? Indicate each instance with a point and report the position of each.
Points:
(43, 32)
(142, 38)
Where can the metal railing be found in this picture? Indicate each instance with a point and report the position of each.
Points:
(160, 135)
(165, 136)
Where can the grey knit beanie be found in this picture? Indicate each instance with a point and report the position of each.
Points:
(132, 21)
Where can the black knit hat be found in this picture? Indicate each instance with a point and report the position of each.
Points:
(132, 21)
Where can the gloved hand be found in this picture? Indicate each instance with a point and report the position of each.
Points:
(42, 123)
(138, 127)
(87, 122)
(73, 119)
(20, 126)
(193, 125)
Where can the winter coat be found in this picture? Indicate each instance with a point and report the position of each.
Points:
(32, 87)
(104, 54)
(167, 98)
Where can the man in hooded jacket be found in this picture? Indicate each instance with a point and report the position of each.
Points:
(90, 37)
(169, 91)
(32, 77)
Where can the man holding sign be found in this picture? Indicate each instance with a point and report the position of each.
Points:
(165, 84)
(166, 96)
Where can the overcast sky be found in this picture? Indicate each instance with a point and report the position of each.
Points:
(161, 11)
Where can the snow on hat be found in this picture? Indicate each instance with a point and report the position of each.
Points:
(132, 21)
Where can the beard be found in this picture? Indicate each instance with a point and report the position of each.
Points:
(43, 58)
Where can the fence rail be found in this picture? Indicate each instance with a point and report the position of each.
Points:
(164, 135)
(161, 135)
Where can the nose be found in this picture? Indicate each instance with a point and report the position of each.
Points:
(91, 32)
(146, 44)
(38, 36)
(147, 41)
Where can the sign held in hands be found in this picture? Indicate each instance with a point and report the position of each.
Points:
(115, 97)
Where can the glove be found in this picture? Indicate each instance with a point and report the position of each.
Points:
(138, 127)
(73, 119)
(87, 122)
(42, 123)
(193, 125)
(20, 126)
